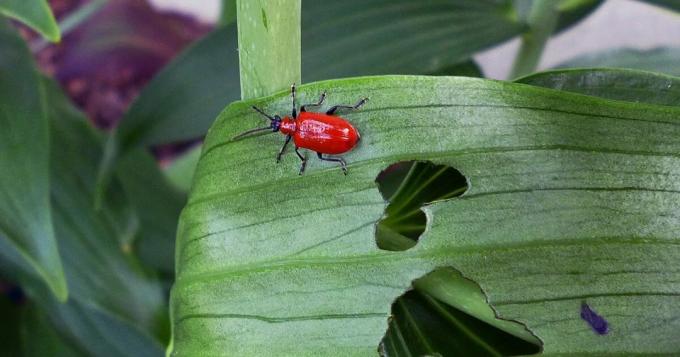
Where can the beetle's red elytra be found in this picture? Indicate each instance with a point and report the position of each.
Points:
(324, 133)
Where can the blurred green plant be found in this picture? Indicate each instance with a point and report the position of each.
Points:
(34, 13)
(25, 217)
(568, 192)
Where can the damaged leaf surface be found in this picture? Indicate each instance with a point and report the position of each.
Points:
(571, 198)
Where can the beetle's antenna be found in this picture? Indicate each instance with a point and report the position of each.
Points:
(245, 133)
(263, 113)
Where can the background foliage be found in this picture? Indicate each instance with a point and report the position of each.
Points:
(569, 186)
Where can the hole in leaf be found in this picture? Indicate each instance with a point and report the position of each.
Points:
(408, 186)
(446, 314)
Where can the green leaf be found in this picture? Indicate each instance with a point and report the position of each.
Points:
(99, 332)
(184, 99)
(186, 96)
(468, 323)
(449, 286)
(25, 219)
(114, 307)
(180, 172)
(34, 13)
(468, 320)
(424, 326)
(269, 45)
(610, 83)
(571, 198)
(570, 12)
(72, 20)
(422, 184)
(661, 59)
(117, 308)
(39, 338)
(357, 37)
(157, 205)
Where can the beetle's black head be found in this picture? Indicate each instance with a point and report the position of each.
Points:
(276, 123)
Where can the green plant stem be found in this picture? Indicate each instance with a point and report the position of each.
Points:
(542, 21)
(269, 45)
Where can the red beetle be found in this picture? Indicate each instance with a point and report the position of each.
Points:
(323, 133)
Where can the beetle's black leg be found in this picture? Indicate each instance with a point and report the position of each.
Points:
(303, 108)
(333, 109)
(302, 158)
(292, 94)
(283, 148)
(342, 162)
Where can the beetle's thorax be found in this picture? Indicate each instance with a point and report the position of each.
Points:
(287, 126)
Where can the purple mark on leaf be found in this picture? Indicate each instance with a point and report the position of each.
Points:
(596, 322)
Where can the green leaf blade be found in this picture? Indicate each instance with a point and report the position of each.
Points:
(661, 59)
(40, 339)
(446, 285)
(571, 198)
(432, 34)
(34, 13)
(190, 102)
(573, 11)
(115, 306)
(156, 204)
(25, 218)
(108, 285)
(612, 83)
(180, 172)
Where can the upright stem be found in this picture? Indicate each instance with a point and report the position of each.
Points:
(269, 45)
(542, 21)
